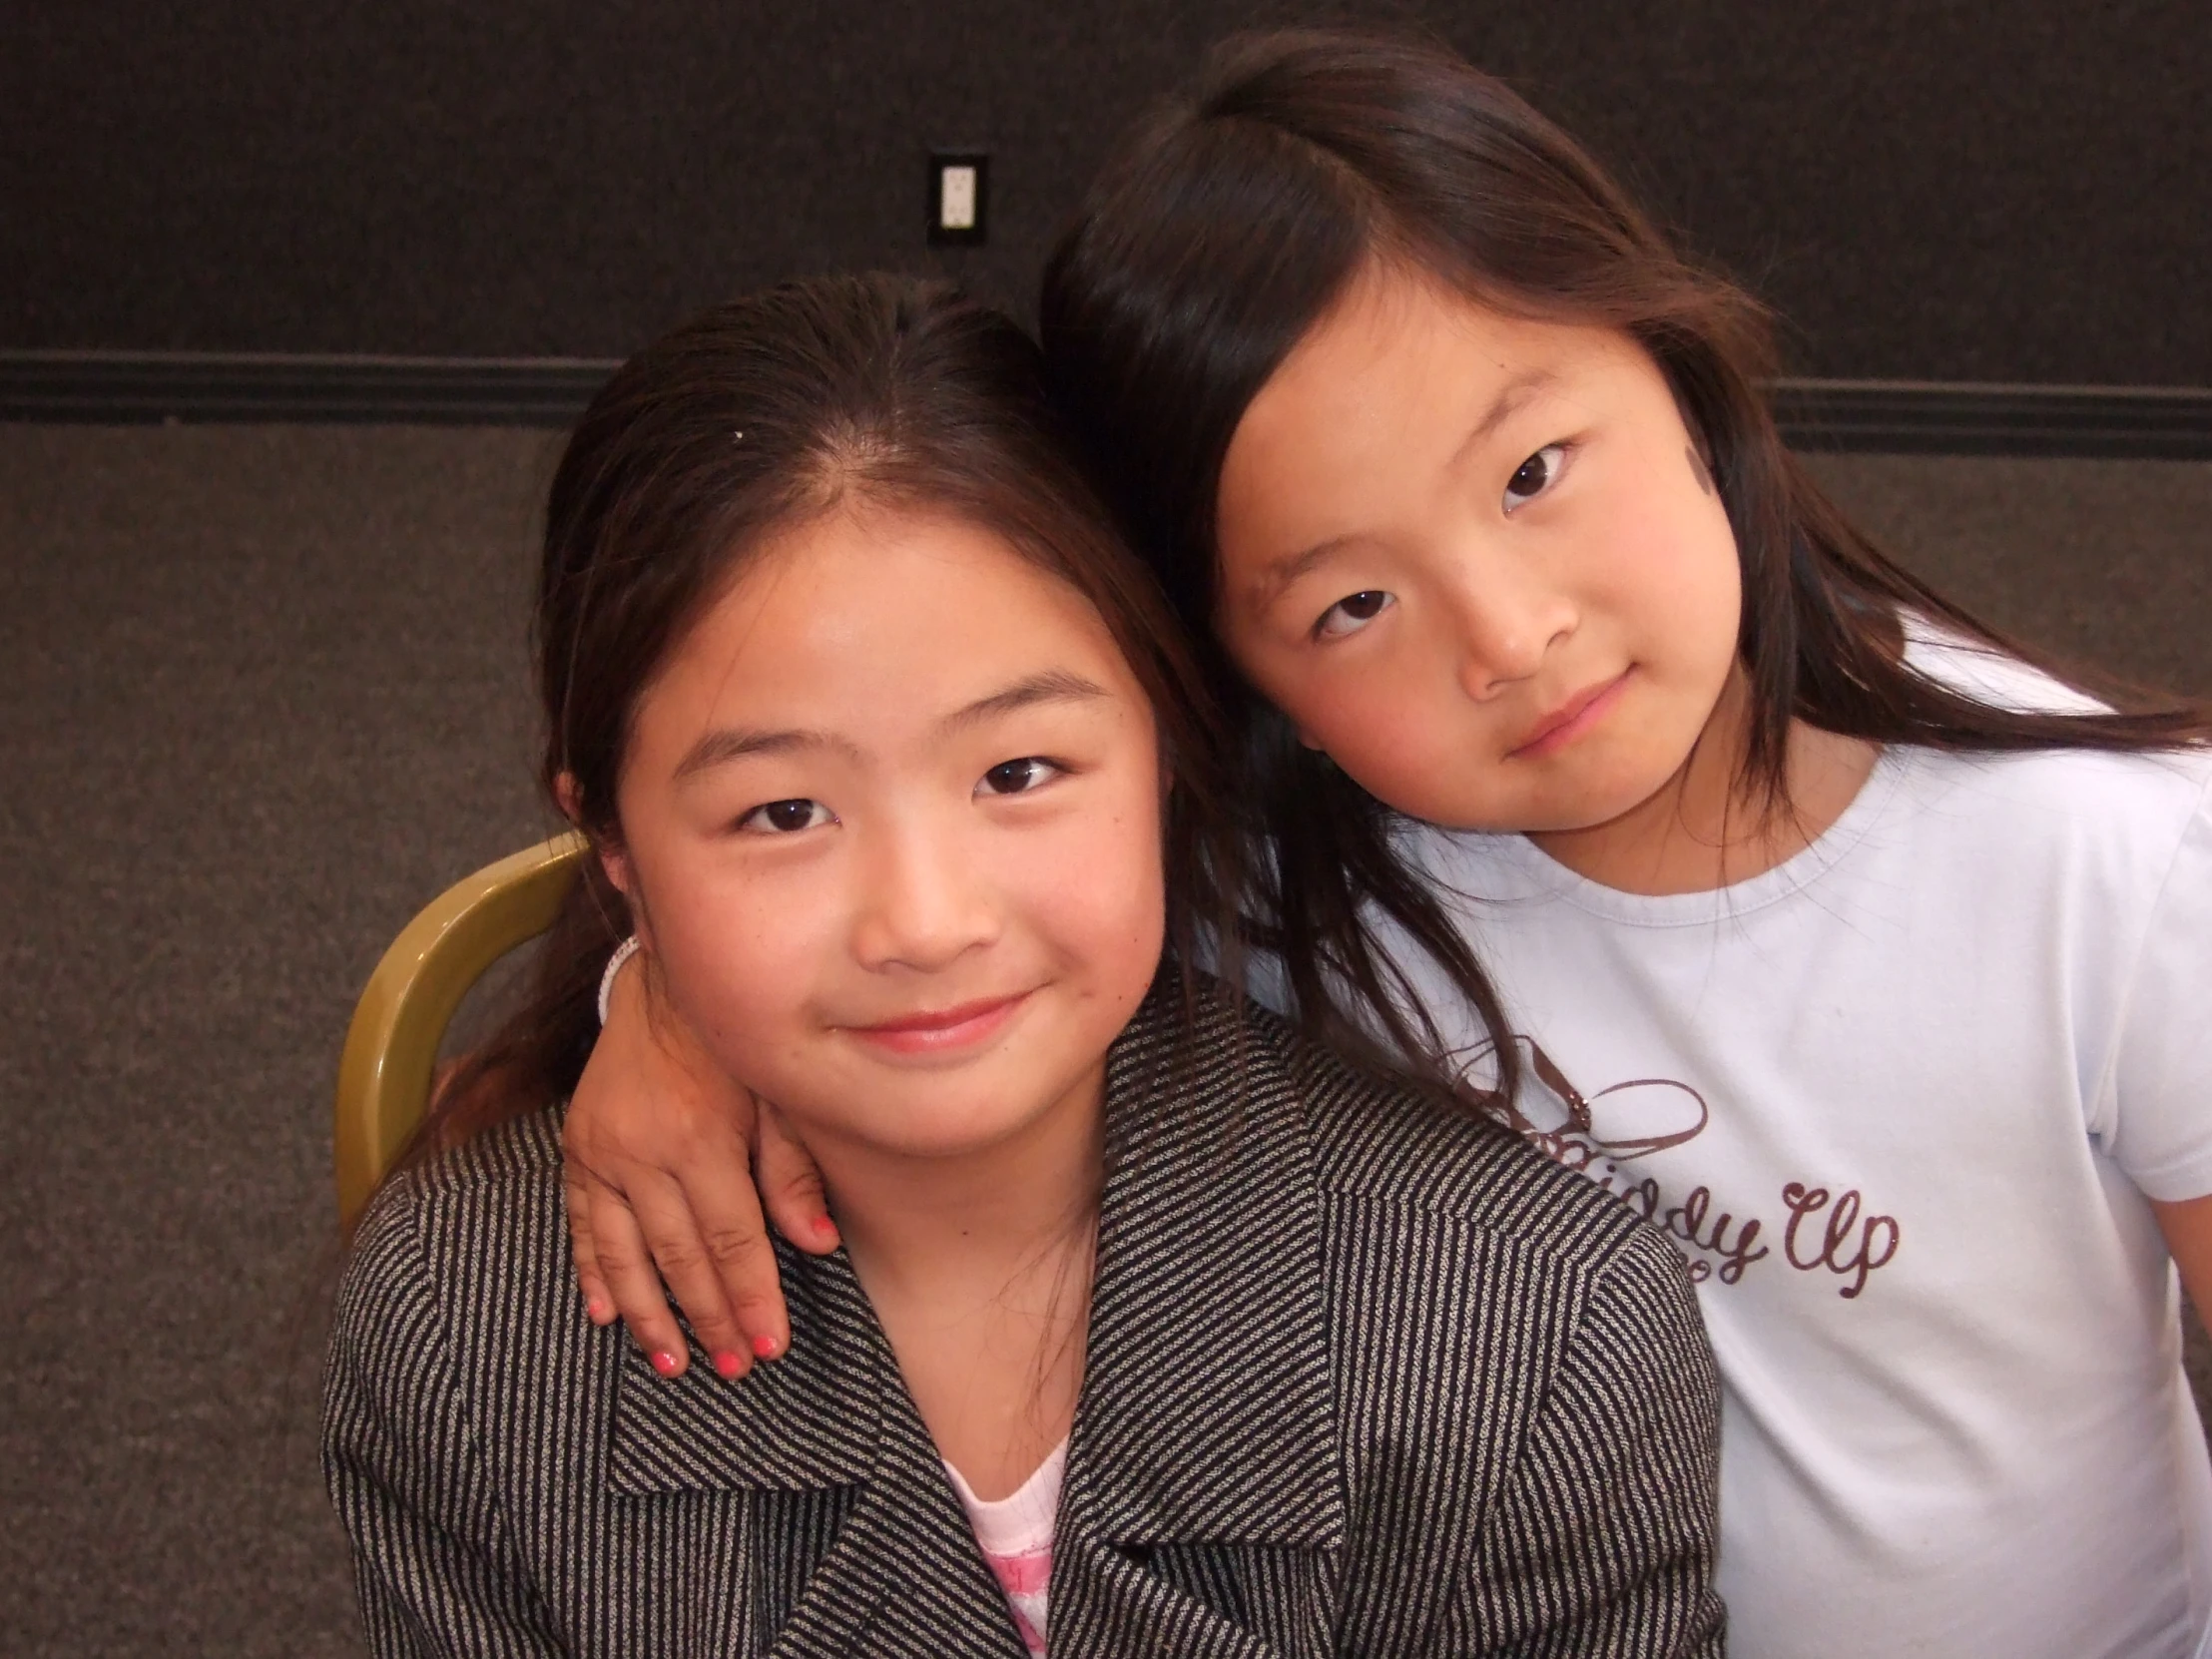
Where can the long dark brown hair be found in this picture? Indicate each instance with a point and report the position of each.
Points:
(754, 417)
(1225, 226)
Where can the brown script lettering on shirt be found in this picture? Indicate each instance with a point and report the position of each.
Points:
(1714, 1245)
(1876, 1242)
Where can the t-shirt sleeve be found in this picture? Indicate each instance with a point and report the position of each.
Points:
(2160, 1100)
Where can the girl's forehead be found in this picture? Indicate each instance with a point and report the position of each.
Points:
(1397, 322)
(1403, 373)
(863, 564)
(883, 620)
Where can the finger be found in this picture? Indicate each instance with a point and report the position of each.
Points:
(631, 1284)
(726, 1208)
(790, 1185)
(672, 1232)
(599, 1304)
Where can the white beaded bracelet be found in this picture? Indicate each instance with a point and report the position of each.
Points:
(622, 952)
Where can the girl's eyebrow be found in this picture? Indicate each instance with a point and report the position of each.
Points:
(736, 742)
(1056, 685)
(1522, 388)
(1272, 583)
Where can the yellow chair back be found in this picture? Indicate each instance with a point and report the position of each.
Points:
(391, 1048)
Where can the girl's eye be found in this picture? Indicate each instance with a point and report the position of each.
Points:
(1017, 776)
(784, 818)
(1352, 613)
(1535, 475)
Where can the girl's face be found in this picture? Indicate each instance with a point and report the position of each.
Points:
(1477, 561)
(893, 825)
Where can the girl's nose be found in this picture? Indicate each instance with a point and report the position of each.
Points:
(1506, 623)
(924, 902)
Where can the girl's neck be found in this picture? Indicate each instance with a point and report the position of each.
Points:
(1701, 831)
(978, 1266)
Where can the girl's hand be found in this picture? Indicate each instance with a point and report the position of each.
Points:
(661, 1151)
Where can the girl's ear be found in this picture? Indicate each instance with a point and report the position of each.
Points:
(620, 872)
(617, 866)
(612, 859)
(569, 798)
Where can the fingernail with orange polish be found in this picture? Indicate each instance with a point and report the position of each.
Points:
(765, 1348)
(728, 1364)
(665, 1364)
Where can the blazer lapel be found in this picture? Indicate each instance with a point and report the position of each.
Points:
(1206, 1435)
(809, 1420)
(902, 1576)
(1203, 1507)
(905, 1579)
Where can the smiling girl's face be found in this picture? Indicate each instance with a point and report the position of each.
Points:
(892, 824)
(1477, 561)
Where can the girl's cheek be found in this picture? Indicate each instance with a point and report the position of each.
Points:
(1112, 916)
(741, 959)
(1384, 722)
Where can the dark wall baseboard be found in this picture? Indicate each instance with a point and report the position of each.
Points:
(1936, 417)
(1899, 417)
(131, 389)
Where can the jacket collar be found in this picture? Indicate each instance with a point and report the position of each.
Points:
(1207, 1413)
(1208, 1405)
(811, 1420)
(904, 1580)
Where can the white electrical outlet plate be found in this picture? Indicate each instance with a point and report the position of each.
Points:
(956, 198)
(960, 197)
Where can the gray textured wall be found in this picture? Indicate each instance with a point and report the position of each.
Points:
(2015, 189)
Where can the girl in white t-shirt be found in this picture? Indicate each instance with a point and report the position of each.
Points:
(1740, 871)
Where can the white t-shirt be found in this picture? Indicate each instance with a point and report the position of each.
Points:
(1900, 1102)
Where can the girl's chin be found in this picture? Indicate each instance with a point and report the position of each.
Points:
(1552, 814)
(960, 1117)
(1559, 794)
(1607, 791)
(916, 1139)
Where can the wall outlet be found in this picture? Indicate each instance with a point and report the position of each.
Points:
(960, 197)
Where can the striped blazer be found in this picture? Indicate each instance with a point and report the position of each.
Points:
(1362, 1379)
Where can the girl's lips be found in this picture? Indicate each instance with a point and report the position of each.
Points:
(941, 1031)
(1571, 719)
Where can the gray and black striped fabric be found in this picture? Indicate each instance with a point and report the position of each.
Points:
(1362, 1379)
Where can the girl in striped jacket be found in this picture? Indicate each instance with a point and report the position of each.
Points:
(1153, 1328)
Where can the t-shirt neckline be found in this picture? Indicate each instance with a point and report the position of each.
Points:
(1023, 1518)
(1551, 880)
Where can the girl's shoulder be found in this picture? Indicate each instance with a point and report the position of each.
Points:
(1987, 674)
(488, 1210)
(454, 1280)
(2108, 826)
(1506, 1340)
(2081, 792)
(508, 1159)
(2110, 829)
(1386, 1151)
(2060, 797)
